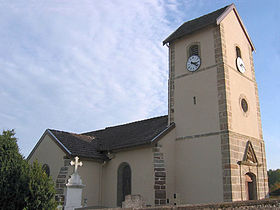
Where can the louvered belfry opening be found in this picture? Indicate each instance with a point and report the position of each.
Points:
(193, 50)
(238, 52)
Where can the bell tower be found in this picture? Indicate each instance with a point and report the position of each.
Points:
(213, 100)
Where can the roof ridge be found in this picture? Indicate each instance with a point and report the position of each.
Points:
(137, 121)
(50, 129)
(61, 131)
(79, 135)
(207, 14)
(115, 126)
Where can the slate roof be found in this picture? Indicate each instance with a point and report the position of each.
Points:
(195, 25)
(78, 145)
(131, 134)
(93, 144)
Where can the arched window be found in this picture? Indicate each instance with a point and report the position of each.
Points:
(46, 169)
(194, 50)
(238, 52)
(251, 186)
(124, 182)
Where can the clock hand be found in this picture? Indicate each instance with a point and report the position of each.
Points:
(195, 63)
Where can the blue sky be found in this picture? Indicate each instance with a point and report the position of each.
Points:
(83, 65)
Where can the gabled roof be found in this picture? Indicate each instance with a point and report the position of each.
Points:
(95, 144)
(211, 19)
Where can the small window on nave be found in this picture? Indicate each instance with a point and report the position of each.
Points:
(46, 169)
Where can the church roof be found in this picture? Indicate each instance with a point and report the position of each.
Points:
(211, 19)
(195, 25)
(131, 134)
(93, 144)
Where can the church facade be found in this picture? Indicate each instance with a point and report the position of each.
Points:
(209, 148)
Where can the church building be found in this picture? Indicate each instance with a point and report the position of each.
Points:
(209, 148)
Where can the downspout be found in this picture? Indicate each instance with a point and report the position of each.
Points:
(100, 183)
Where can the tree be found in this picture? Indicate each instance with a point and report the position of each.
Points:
(13, 170)
(41, 190)
(274, 179)
(22, 186)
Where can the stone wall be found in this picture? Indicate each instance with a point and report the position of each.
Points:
(160, 177)
(223, 85)
(61, 181)
(258, 204)
(237, 144)
(233, 144)
(171, 85)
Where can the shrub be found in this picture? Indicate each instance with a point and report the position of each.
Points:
(22, 186)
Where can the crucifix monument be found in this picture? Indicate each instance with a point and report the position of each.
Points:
(76, 163)
(74, 188)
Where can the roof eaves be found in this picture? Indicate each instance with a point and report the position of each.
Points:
(58, 142)
(226, 12)
(127, 146)
(168, 40)
(83, 157)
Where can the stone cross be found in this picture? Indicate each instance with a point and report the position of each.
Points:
(76, 163)
(74, 188)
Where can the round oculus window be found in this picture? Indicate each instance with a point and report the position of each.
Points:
(244, 105)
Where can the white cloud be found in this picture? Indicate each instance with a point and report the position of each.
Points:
(81, 65)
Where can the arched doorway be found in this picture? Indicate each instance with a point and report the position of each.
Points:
(124, 182)
(250, 186)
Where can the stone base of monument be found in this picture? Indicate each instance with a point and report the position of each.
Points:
(74, 192)
(133, 201)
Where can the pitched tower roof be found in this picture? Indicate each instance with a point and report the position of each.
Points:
(211, 19)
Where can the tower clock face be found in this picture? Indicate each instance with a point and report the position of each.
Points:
(240, 65)
(193, 63)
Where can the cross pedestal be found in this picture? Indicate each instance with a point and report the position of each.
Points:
(74, 188)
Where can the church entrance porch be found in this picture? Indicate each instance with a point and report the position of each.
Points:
(250, 186)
